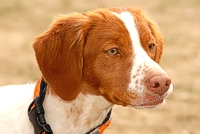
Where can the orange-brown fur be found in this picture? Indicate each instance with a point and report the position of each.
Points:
(73, 53)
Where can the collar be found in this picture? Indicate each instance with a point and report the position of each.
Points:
(102, 127)
(36, 113)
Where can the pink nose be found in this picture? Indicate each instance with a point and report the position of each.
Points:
(159, 84)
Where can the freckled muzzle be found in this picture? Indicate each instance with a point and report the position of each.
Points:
(151, 85)
(158, 87)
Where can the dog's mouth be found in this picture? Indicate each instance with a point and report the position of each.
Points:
(149, 101)
(149, 104)
(140, 100)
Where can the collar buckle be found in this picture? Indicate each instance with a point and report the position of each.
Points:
(36, 112)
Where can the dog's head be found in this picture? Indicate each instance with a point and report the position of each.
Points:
(109, 52)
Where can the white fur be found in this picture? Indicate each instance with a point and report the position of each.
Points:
(78, 116)
(14, 102)
(141, 61)
(75, 117)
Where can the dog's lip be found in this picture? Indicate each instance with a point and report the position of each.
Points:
(150, 101)
(146, 100)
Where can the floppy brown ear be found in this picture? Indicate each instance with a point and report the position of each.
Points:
(59, 53)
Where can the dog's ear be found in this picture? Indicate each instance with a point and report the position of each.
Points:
(59, 53)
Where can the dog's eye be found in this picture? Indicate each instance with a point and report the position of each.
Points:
(151, 47)
(113, 51)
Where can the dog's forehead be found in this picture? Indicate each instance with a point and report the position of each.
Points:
(129, 23)
(121, 27)
(132, 26)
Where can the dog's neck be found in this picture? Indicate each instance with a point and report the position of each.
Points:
(77, 116)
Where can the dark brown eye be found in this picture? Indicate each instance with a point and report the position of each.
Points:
(113, 51)
(151, 47)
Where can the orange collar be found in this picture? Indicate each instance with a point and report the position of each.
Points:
(104, 126)
(36, 111)
(37, 94)
(101, 128)
(37, 88)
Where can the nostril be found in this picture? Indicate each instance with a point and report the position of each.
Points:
(159, 84)
(156, 85)
(168, 82)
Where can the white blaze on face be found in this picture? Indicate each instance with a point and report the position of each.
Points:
(142, 63)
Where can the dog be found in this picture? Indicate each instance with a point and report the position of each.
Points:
(89, 63)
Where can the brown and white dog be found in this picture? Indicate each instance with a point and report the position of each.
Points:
(90, 62)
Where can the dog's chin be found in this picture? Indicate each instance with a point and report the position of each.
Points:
(150, 104)
(150, 100)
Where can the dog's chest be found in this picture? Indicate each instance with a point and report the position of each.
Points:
(78, 116)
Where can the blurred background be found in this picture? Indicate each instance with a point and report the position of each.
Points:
(179, 21)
